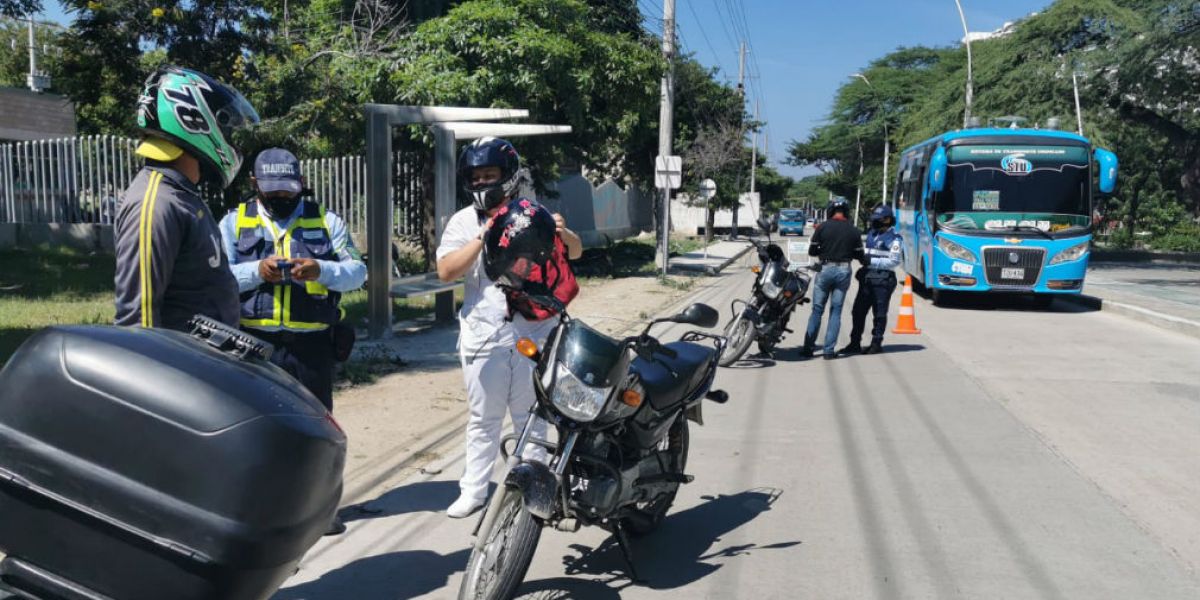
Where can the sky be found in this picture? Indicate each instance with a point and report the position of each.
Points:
(802, 50)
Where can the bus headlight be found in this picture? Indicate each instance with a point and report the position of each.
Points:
(955, 251)
(1075, 252)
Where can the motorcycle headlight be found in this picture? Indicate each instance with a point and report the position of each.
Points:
(1075, 252)
(576, 399)
(956, 251)
(770, 290)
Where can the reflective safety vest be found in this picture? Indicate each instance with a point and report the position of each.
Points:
(290, 305)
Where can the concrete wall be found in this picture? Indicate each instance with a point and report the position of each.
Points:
(82, 236)
(601, 213)
(26, 115)
(689, 220)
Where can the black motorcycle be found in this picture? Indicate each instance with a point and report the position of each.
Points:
(777, 291)
(621, 411)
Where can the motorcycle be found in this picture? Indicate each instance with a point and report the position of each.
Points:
(777, 291)
(621, 410)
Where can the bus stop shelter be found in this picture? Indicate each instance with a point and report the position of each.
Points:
(449, 124)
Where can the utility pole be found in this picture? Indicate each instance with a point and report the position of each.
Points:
(666, 115)
(970, 78)
(754, 158)
(32, 59)
(741, 88)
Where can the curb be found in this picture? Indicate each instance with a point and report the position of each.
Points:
(1137, 313)
(710, 269)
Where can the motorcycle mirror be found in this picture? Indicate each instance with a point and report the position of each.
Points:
(701, 315)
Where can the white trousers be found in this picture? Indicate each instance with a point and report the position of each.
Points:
(497, 381)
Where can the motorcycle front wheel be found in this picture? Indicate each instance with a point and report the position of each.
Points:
(739, 332)
(497, 571)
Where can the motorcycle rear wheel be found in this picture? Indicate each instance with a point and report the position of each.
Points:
(496, 572)
(656, 510)
(739, 332)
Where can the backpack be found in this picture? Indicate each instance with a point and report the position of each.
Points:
(553, 278)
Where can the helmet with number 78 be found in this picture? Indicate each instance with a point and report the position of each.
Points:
(182, 110)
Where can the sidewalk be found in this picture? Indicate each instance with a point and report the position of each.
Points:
(720, 254)
(1162, 294)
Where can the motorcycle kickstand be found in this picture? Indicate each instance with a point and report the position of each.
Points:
(627, 552)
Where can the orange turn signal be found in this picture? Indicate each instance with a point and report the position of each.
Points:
(527, 348)
(631, 398)
(755, 269)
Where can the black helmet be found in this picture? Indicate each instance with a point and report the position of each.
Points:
(882, 216)
(838, 204)
(490, 152)
(520, 239)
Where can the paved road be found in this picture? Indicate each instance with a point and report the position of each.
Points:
(1005, 453)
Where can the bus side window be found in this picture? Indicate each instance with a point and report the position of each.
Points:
(899, 191)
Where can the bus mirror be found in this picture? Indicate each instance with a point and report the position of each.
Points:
(937, 171)
(1108, 170)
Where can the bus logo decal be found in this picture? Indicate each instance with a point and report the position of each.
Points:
(1016, 164)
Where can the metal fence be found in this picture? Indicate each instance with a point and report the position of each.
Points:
(65, 180)
(80, 180)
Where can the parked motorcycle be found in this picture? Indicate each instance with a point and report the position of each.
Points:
(778, 290)
(621, 411)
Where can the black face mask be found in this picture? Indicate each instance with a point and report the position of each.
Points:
(279, 208)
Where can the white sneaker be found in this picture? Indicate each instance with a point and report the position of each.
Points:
(464, 506)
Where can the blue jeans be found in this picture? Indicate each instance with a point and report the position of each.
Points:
(831, 285)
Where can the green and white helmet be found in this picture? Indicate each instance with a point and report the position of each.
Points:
(181, 110)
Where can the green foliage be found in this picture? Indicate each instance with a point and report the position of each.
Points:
(19, 8)
(14, 66)
(1139, 71)
(1181, 239)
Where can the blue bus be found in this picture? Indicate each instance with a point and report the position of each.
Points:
(1000, 210)
(792, 220)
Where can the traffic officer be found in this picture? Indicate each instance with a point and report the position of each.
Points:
(498, 378)
(836, 242)
(292, 260)
(876, 281)
(169, 261)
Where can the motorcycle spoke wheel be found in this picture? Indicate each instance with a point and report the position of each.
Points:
(740, 333)
(496, 571)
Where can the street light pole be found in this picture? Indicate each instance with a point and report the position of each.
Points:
(887, 148)
(970, 79)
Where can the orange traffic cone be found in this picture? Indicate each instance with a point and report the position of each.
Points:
(907, 321)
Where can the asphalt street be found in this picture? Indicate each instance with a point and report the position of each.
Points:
(1005, 452)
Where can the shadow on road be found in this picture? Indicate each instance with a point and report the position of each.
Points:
(1011, 302)
(759, 361)
(422, 496)
(403, 574)
(681, 552)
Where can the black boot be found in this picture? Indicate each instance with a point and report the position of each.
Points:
(806, 352)
(876, 347)
(851, 348)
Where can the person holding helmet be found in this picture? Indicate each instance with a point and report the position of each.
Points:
(876, 281)
(292, 260)
(498, 378)
(835, 242)
(170, 266)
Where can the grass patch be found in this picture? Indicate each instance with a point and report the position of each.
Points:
(403, 309)
(368, 367)
(632, 257)
(52, 286)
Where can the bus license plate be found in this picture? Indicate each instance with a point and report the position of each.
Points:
(1012, 273)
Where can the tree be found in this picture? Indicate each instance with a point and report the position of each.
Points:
(19, 8)
(14, 66)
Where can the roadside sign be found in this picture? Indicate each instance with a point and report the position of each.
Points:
(797, 253)
(668, 172)
(708, 189)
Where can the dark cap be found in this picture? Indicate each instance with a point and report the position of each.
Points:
(277, 170)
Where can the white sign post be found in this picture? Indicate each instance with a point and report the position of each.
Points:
(708, 189)
(668, 175)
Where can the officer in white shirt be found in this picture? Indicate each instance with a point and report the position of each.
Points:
(497, 377)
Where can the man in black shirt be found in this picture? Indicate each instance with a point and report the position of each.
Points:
(836, 242)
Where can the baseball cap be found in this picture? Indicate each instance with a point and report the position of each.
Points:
(277, 170)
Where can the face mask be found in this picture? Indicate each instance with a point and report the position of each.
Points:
(280, 208)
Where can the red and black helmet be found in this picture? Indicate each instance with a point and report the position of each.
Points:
(520, 240)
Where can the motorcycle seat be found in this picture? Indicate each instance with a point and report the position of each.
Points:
(690, 366)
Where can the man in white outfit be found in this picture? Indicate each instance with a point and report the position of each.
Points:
(497, 377)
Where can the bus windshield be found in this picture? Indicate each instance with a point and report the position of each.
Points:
(791, 215)
(1013, 188)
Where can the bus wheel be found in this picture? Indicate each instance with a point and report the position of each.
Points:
(938, 297)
